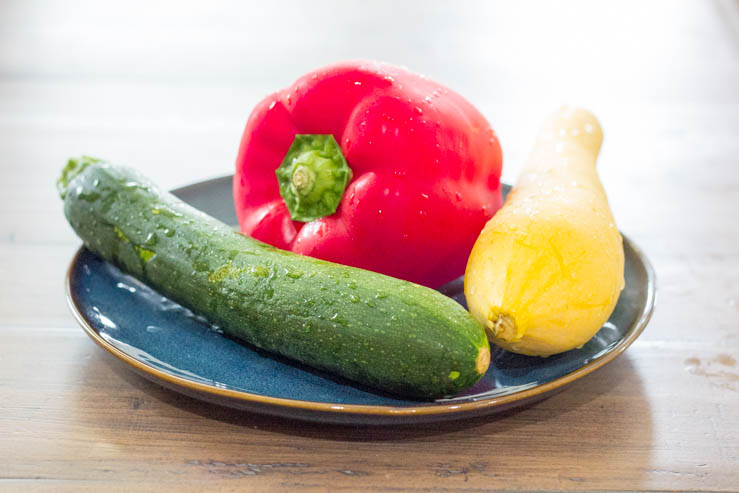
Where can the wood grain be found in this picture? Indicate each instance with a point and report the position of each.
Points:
(167, 87)
(93, 420)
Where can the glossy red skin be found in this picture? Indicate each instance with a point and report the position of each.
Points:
(426, 171)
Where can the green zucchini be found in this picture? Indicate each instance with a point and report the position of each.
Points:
(380, 331)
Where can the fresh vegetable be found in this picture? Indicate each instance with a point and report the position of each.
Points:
(548, 268)
(386, 170)
(377, 330)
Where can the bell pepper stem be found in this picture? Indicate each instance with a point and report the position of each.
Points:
(313, 177)
(303, 180)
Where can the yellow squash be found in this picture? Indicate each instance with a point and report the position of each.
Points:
(548, 268)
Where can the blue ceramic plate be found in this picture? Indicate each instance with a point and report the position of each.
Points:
(168, 344)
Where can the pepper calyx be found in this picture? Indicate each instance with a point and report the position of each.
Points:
(313, 177)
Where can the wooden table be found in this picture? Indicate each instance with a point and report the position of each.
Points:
(167, 87)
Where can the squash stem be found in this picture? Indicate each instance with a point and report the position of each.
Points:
(74, 167)
(483, 360)
(504, 327)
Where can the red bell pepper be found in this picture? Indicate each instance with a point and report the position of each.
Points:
(369, 165)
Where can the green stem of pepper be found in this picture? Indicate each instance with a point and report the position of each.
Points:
(313, 177)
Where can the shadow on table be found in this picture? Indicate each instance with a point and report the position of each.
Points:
(597, 432)
(606, 384)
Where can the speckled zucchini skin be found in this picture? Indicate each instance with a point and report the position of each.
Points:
(377, 330)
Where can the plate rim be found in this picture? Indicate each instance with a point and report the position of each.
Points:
(423, 409)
